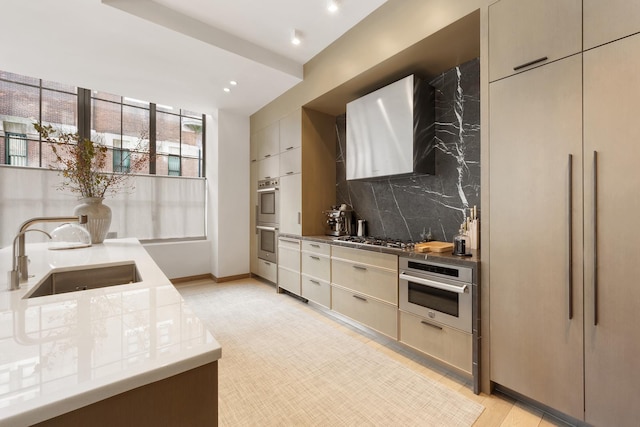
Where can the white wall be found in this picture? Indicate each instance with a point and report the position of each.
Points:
(228, 176)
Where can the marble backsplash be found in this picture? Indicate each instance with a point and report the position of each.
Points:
(410, 208)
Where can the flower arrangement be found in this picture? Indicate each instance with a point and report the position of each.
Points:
(83, 164)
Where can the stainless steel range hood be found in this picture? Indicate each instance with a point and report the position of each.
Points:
(390, 132)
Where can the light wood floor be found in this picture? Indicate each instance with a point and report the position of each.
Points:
(500, 410)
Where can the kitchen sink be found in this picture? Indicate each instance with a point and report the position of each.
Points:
(85, 277)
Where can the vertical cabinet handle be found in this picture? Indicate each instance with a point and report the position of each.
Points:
(595, 238)
(570, 236)
(299, 217)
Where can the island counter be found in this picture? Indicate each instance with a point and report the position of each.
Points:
(114, 354)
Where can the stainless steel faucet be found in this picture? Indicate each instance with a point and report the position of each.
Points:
(20, 265)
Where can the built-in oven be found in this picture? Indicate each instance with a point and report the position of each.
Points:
(268, 201)
(268, 242)
(438, 292)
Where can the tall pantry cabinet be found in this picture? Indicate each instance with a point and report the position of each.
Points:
(564, 310)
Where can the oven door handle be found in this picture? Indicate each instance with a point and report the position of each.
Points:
(264, 227)
(444, 286)
(267, 190)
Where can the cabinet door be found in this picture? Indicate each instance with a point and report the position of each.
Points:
(291, 131)
(269, 141)
(536, 345)
(525, 31)
(291, 162)
(611, 111)
(291, 204)
(268, 168)
(605, 21)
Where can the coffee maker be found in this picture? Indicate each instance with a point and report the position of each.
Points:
(339, 221)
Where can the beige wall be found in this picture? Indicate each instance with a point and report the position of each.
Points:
(394, 27)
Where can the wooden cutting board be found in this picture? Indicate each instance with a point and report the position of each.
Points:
(434, 246)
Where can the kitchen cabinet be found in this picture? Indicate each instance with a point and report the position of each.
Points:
(525, 32)
(605, 21)
(612, 342)
(269, 141)
(268, 168)
(253, 240)
(291, 131)
(291, 204)
(448, 345)
(291, 162)
(304, 195)
(316, 272)
(536, 234)
(364, 287)
(289, 264)
(268, 270)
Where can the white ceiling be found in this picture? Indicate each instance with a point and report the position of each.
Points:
(175, 52)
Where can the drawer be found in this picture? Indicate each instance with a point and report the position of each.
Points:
(288, 257)
(448, 345)
(289, 280)
(318, 291)
(289, 243)
(377, 315)
(365, 279)
(316, 265)
(316, 247)
(267, 270)
(364, 256)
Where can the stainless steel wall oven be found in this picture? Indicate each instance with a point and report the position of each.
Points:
(268, 201)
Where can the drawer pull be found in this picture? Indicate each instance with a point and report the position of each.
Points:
(317, 258)
(431, 325)
(267, 155)
(526, 64)
(290, 173)
(289, 148)
(314, 281)
(267, 263)
(313, 245)
(360, 298)
(359, 267)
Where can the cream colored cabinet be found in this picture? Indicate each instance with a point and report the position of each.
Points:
(291, 204)
(612, 341)
(253, 240)
(364, 287)
(269, 141)
(525, 33)
(605, 21)
(268, 270)
(268, 168)
(536, 314)
(448, 345)
(291, 131)
(289, 264)
(316, 272)
(291, 162)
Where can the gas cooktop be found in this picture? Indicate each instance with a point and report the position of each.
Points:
(375, 241)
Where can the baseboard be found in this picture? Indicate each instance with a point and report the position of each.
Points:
(187, 279)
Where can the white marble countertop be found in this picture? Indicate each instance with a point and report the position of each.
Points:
(62, 352)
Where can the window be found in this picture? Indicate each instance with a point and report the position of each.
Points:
(123, 124)
(121, 157)
(16, 147)
(174, 165)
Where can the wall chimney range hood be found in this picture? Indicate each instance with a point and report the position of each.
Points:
(390, 132)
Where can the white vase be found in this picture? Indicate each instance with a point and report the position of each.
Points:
(98, 217)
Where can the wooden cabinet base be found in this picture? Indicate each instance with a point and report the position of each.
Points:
(186, 399)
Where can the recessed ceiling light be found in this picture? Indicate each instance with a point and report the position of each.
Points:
(333, 5)
(296, 38)
(226, 89)
(233, 82)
